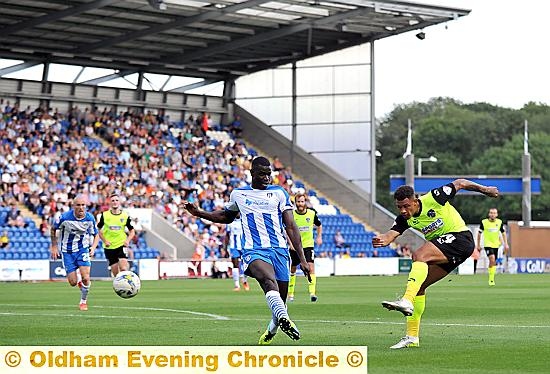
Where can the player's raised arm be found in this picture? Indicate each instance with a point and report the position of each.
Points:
(465, 184)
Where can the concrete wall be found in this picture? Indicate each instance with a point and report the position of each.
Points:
(528, 242)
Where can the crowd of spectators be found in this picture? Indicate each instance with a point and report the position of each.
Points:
(48, 156)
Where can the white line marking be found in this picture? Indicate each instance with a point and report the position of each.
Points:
(224, 318)
(214, 316)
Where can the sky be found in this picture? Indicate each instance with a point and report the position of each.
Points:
(497, 54)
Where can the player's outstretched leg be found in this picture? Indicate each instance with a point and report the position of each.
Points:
(401, 305)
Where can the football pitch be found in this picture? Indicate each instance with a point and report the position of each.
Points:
(467, 327)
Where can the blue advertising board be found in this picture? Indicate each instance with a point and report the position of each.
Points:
(99, 269)
(507, 185)
(529, 265)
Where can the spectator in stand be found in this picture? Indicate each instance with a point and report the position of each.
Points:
(15, 219)
(4, 240)
(236, 127)
(277, 164)
(44, 227)
(339, 240)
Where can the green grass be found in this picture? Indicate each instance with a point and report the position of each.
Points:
(467, 326)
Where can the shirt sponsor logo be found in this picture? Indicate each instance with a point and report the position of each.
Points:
(249, 202)
(434, 226)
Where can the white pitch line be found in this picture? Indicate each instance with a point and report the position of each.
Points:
(214, 316)
(87, 315)
(218, 317)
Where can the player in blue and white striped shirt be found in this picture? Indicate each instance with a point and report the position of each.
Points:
(266, 210)
(78, 241)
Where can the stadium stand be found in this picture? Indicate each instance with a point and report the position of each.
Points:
(156, 162)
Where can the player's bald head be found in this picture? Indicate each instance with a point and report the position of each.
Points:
(80, 200)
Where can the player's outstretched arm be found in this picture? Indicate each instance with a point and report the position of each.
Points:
(465, 184)
(385, 239)
(218, 216)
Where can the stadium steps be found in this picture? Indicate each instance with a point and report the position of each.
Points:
(26, 213)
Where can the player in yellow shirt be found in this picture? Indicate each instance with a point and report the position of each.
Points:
(449, 243)
(306, 219)
(492, 228)
(112, 231)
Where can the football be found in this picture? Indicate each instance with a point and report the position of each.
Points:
(126, 284)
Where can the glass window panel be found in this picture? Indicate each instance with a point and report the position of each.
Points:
(348, 136)
(269, 110)
(282, 82)
(285, 131)
(314, 81)
(315, 137)
(352, 108)
(314, 109)
(352, 79)
(253, 85)
(350, 165)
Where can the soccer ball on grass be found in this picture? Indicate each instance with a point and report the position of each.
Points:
(126, 284)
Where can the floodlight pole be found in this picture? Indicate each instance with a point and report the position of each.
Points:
(372, 135)
(409, 158)
(294, 129)
(526, 179)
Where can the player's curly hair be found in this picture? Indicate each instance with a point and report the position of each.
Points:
(403, 192)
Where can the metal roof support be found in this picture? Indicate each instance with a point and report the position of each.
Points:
(191, 86)
(109, 77)
(18, 67)
(179, 22)
(79, 74)
(54, 16)
(165, 83)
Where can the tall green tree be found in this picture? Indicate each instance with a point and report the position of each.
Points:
(468, 139)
